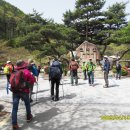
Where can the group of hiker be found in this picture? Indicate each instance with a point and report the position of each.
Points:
(23, 75)
(88, 69)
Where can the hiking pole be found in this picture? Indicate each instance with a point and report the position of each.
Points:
(37, 90)
(62, 87)
(50, 88)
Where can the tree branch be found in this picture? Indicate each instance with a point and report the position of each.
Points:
(123, 53)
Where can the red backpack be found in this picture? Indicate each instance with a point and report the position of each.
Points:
(74, 65)
(17, 81)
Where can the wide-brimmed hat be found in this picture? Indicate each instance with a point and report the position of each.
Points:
(8, 62)
(21, 64)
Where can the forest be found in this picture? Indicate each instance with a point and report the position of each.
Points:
(25, 36)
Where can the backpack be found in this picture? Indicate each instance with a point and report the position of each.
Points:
(118, 67)
(54, 72)
(74, 65)
(34, 70)
(6, 70)
(17, 81)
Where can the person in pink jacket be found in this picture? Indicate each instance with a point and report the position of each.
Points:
(24, 94)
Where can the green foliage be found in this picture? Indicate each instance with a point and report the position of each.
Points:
(124, 72)
(123, 35)
(44, 38)
(85, 18)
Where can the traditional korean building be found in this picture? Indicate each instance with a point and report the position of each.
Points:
(86, 51)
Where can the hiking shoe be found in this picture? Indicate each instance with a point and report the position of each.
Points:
(52, 98)
(31, 100)
(15, 127)
(29, 118)
(57, 99)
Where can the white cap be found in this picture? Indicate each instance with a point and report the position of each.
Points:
(105, 56)
(8, 62)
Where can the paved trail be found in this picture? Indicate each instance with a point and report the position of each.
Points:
(80, 109)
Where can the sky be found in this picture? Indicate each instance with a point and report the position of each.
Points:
(55, 8)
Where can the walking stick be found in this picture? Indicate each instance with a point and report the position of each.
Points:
(50, 89)
(37, 90)
(62, 87)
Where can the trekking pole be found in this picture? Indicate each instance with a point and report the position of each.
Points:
(62, 87)
(36, 91)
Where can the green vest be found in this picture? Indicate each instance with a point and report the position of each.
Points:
(91, 66)
(84, 67)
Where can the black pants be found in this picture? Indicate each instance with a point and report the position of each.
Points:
(55, 83)
(8, 77)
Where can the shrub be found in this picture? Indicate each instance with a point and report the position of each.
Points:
(124, 72)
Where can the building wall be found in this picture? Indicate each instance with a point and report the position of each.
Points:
(86, 51)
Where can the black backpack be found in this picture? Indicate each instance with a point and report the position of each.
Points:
(54, 72)
(118, 67)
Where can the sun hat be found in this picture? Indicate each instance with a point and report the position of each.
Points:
(8, 62)
(20, 64)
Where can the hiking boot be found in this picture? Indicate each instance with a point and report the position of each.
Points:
(57, 99)
(15, 127)
(31, 100)
(105, 86)
(52, 98)
(29, 118)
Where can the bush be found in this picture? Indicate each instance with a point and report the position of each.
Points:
(114, 69)
(124, 72)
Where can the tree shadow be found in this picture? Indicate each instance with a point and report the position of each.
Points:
(95, 84)
(69, 96)
(81, 83)
(38, 121)
(41, 91)
(115, 85)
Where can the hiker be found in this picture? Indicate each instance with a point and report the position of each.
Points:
(8, 69)
(73, 66)
(106, 69)
(118, 70)
(84, 69)
(33, 69)
(90, 71)
(55, 74)
(20, 81)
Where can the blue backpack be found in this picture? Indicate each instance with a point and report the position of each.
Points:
(34, 70)
(55, 72)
